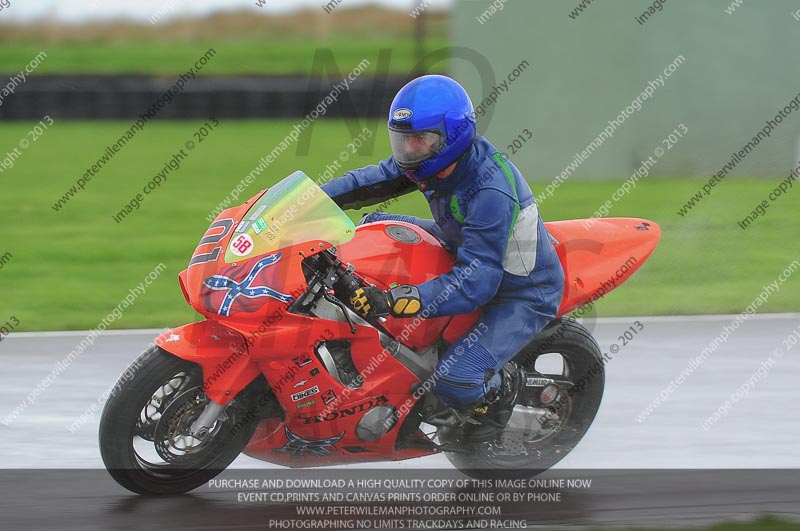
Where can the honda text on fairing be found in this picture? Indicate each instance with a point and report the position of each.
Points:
(283, 369)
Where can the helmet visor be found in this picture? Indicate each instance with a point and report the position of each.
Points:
(410, 148)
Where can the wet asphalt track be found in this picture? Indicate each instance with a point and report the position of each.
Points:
(761, 431)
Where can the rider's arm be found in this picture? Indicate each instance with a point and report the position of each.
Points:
(476, 276)
(369, 185)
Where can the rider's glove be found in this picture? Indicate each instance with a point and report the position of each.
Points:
(402, 301)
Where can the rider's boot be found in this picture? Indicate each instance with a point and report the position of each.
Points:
(493, 414)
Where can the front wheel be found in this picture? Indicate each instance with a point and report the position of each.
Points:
(145, 440)
(558, 400)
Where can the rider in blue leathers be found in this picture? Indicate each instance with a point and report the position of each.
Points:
(483, 211)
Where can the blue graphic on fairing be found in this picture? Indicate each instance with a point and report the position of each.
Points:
(318, 447)
(245, 287)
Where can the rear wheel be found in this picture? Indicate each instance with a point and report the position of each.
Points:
(145, 438)
(561, 393)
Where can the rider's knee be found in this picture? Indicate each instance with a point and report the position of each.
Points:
(458, 394)
(372, 217)
(465, 374)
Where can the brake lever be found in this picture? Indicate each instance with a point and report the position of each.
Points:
(349, 280)
(345, 310)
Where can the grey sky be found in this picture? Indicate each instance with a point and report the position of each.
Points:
(82, 10)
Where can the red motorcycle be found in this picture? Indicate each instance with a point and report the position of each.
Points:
(285, 371)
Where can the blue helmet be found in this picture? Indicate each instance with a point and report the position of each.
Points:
(431, 124)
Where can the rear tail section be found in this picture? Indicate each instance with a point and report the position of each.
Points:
(598, 256)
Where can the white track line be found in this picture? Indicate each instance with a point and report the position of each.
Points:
(82, 333)
(651, 318)
(694, 318)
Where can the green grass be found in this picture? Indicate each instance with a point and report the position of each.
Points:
(704, 262)
(764, 523)
(245, 56)
(70, 268)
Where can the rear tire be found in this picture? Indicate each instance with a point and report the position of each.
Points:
(583, 366)
(149, 414)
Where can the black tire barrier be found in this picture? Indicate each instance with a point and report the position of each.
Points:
(125, 97)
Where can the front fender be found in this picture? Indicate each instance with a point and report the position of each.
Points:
(221, 352)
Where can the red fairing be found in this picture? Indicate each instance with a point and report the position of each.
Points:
(249, 331)
(220, 351)
(318, 409)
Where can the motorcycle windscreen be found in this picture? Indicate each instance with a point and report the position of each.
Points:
(294, 211)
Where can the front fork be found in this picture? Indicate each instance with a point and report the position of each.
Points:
(202, 426)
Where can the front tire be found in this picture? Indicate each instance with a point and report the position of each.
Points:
(527, 450)
(144, 439)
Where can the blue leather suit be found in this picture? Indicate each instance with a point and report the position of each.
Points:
(506, 264)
